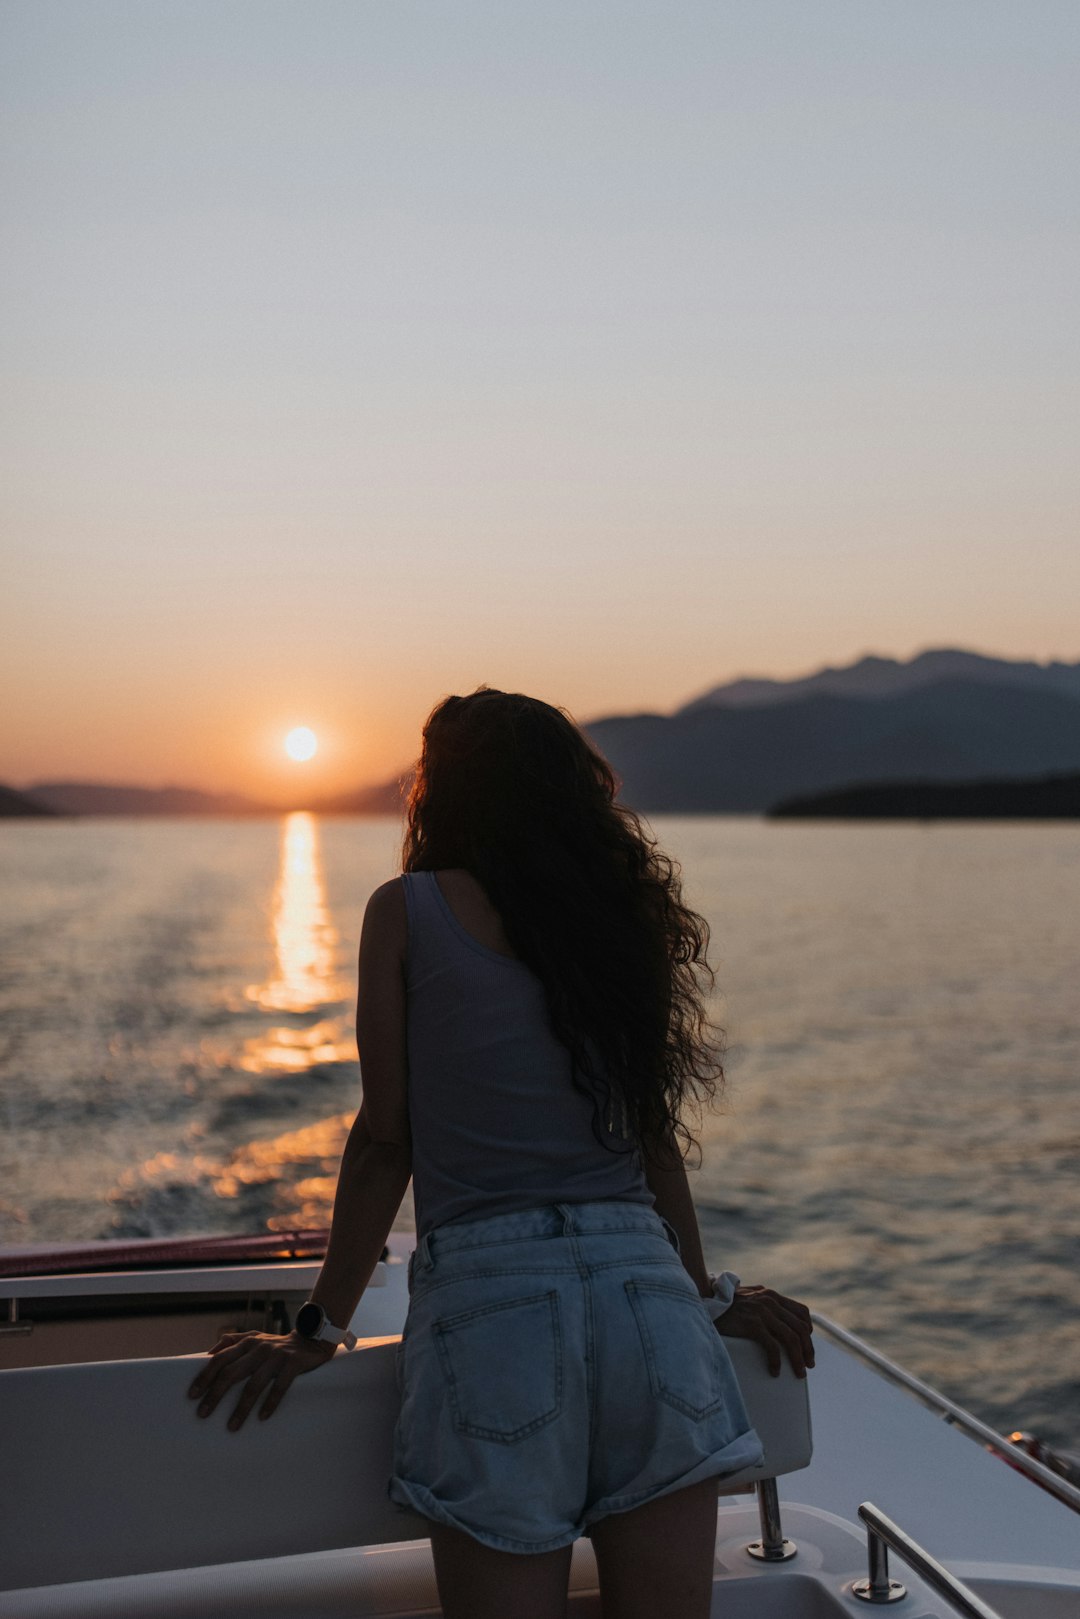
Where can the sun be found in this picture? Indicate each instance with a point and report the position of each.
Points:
(301, 743)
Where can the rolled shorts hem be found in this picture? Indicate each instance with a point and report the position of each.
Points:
(743, 1452)
(746, 1451)
(406, 1493)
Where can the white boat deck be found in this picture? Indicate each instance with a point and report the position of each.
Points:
(994, 1528)
(967, 1507)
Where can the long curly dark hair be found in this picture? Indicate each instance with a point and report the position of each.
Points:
(509, 789)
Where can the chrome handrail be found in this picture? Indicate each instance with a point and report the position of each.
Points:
(955, 1414)
(882, 1532)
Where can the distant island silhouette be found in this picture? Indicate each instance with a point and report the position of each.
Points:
(106, 798)
(944, 716)
(1050, 798)
(92, 798)
(21, 804)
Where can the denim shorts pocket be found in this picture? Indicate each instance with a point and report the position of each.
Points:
(679, 1344)
(502, 1364)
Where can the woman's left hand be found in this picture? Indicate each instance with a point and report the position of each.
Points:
(265, 1360)
(773, 1321)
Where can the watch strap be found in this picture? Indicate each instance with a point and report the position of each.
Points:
(328, 1334)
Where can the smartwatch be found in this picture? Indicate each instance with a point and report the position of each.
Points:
(311, 1322)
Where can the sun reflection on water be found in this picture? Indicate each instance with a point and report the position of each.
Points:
(305, 939)
(327, 1041)
(306, 976)
(284, 1182)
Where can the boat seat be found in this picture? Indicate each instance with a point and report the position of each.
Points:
(110, 1483)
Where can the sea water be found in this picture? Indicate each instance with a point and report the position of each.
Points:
(899, 1141)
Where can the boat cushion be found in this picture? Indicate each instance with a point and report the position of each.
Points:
(108, 1471)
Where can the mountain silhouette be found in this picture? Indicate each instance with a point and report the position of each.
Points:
(946, 715)
(717, 758)
(382, 798)
(874, 677)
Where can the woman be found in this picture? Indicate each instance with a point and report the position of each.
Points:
(533, 1041)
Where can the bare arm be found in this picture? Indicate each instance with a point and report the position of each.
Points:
(771, 1319)
(666, 1175)
(376, 1165)
(375, 1170)
(371, 1184)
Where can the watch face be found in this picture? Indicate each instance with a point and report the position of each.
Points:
(309, 1318)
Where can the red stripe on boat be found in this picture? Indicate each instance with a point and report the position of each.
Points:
(155, 1253)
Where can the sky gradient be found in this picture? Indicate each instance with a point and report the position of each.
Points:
(358, 353)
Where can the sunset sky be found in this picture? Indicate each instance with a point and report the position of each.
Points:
(357, 353)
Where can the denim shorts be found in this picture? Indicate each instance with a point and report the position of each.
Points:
(558, 1366)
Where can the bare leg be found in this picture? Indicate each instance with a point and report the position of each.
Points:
(658, 1559)
(477, 1582)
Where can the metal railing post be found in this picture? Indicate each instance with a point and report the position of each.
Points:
(881, 1533)
(772, 1547)
(878, 1587)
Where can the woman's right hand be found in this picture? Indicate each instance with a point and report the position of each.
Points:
(262, 1360)
(775, 1322)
